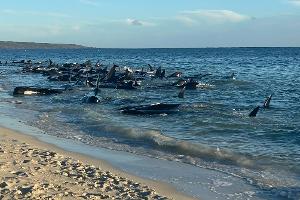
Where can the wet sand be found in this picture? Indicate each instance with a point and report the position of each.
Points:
(31, 169)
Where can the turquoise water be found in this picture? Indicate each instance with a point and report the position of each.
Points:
(211, 129)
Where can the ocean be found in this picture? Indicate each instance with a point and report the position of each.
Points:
(211, 128)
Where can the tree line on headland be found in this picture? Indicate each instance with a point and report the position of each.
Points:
(34, 45)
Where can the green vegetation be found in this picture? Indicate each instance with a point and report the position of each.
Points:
(33, 45)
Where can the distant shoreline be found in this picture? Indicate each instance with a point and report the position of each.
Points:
(34, 45)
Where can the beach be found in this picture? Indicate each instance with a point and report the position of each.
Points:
(150, 100)
(31, 169)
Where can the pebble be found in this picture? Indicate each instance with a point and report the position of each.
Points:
(3, 185)
(26, 161)
(18, 192)
(19, 173)
(65, 174)
(5, 191)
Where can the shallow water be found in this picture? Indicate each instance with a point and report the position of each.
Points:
(212, 128)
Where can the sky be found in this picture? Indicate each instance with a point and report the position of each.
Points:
(153, 23)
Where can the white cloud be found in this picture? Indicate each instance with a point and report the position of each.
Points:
(295, 2)
(186, 20)
(90, 2)
(211, 16)
(76, 28)
(135, 22)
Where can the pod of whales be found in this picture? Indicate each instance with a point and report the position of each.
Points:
(99, 76)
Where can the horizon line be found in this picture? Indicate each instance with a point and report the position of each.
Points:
(207, 47)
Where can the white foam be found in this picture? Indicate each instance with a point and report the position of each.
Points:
(28, 92)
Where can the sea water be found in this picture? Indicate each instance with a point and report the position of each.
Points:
(211, 128)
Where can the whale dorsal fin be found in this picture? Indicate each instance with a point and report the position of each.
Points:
(254, 112)
(267, 101)
(181, 93)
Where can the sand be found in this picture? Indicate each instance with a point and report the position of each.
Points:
(30, 169)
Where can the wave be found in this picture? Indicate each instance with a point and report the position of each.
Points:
(159, 141)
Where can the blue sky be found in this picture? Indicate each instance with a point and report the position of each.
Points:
(153, 23)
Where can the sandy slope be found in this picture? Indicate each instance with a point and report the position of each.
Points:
(30, 169)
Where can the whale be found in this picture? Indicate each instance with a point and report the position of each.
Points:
(24, 90)
(150, 68)
(157, 108)
(126, 85)
(162, 74)
(231, 77)
(190, 84)
(181, 93)
(175, 74)
(90, 99)
(88, 83)
(157, 73)
(16, 62)
(267, 101)
(111, 74)
(254, 112)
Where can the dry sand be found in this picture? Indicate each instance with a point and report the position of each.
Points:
(30, 169)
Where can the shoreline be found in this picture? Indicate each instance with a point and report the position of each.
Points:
(180, 179)
(157, 189)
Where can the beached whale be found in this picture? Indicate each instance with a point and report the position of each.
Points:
(24, 90)
(158, 108)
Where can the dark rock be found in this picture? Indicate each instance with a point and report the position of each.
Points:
(3, 185)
